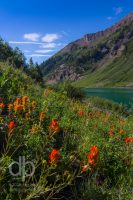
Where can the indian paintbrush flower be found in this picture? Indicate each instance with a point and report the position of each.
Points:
(54, 156)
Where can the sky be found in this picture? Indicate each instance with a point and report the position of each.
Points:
(40, 28)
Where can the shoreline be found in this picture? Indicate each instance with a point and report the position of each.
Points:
(107, 87)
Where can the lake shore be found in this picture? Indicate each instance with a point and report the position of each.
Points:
(119, 95)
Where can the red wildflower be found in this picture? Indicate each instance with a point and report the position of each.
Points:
(94, 150)
(111, 132)
(54, 156)
(81, 114)
(92, 158)
(11, 125)
(25, 100)
(2, 105)
(130, 139)
(18, 108)
(121, 131)
(90, 114)
(54, 126)
(17, 101)
(93, 155)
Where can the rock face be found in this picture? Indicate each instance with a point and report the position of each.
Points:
(64, 72)
(89, 53)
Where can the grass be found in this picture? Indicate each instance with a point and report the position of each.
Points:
(78, 152)
(108, 105)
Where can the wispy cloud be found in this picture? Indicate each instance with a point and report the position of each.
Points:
(32, 36)
(48, 45)
(22, 42)
(43, 51)
(118, 10)
(38, 55)
(50, 37)
(51, 45)
(42, 44)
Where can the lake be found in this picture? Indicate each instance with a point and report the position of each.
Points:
(119, 95)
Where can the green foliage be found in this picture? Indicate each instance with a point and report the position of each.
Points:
(107, 105)
(71, 91)
(13, 82)
(14, 57)
(74, 93)
(80, 125)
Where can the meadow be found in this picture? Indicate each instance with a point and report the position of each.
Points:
(79, 151)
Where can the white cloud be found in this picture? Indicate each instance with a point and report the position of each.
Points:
(50, 37)
(109, 18)
(18, 42)
(42, 44)
(32, 36)
(118, 10)
(48, 45)
(51, 45)
(38, 55)
(43, 51)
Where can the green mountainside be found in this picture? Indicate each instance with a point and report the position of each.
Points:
(99, 59)
(117, 73)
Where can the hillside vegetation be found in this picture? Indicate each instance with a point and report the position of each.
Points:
(78, 152)
(117, 73)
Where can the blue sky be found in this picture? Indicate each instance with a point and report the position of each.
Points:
(40, 28)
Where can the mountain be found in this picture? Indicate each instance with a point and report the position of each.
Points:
(104, 58)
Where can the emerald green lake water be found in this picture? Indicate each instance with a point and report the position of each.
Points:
(118, 95)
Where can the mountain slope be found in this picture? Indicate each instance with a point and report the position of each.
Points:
(117, 73)
(94, 52)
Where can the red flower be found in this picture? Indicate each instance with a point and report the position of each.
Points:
(54, 156)
(93, 155)
(90, 114)
(94, 150)
(2, 105)
(111, 132)
(92, 158)
(130, 139)
(54, 126)
(11, 125)
(121, 132)
(81, 113)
